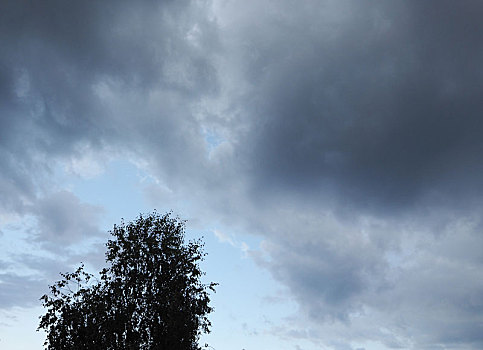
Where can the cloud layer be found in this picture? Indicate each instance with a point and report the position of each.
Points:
(345, 134)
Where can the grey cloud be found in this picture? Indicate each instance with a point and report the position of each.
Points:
(416, 288)
(370, 111)
(439, 289)
(60, 62)
(53, 225)
(117, 79)
(19, 290)
(327, 263)
(327, 270)
(63, 220)
(378, 104)
(26, 277)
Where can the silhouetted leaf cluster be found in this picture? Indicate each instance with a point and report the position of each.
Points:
(150, 295)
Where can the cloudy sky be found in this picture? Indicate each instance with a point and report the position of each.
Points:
(330, 153)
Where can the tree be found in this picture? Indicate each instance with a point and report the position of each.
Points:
(150, 295)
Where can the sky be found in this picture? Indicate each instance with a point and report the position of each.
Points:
(329, 152)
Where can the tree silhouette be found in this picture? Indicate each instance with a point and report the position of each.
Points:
(150, 295)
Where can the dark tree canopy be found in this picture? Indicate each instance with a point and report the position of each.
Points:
(150, 295)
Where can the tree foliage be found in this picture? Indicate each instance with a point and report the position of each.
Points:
(150, 295)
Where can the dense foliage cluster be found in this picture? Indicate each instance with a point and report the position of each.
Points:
(150, 295)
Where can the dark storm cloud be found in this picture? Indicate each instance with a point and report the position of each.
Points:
(363, 153)
(383, 104)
